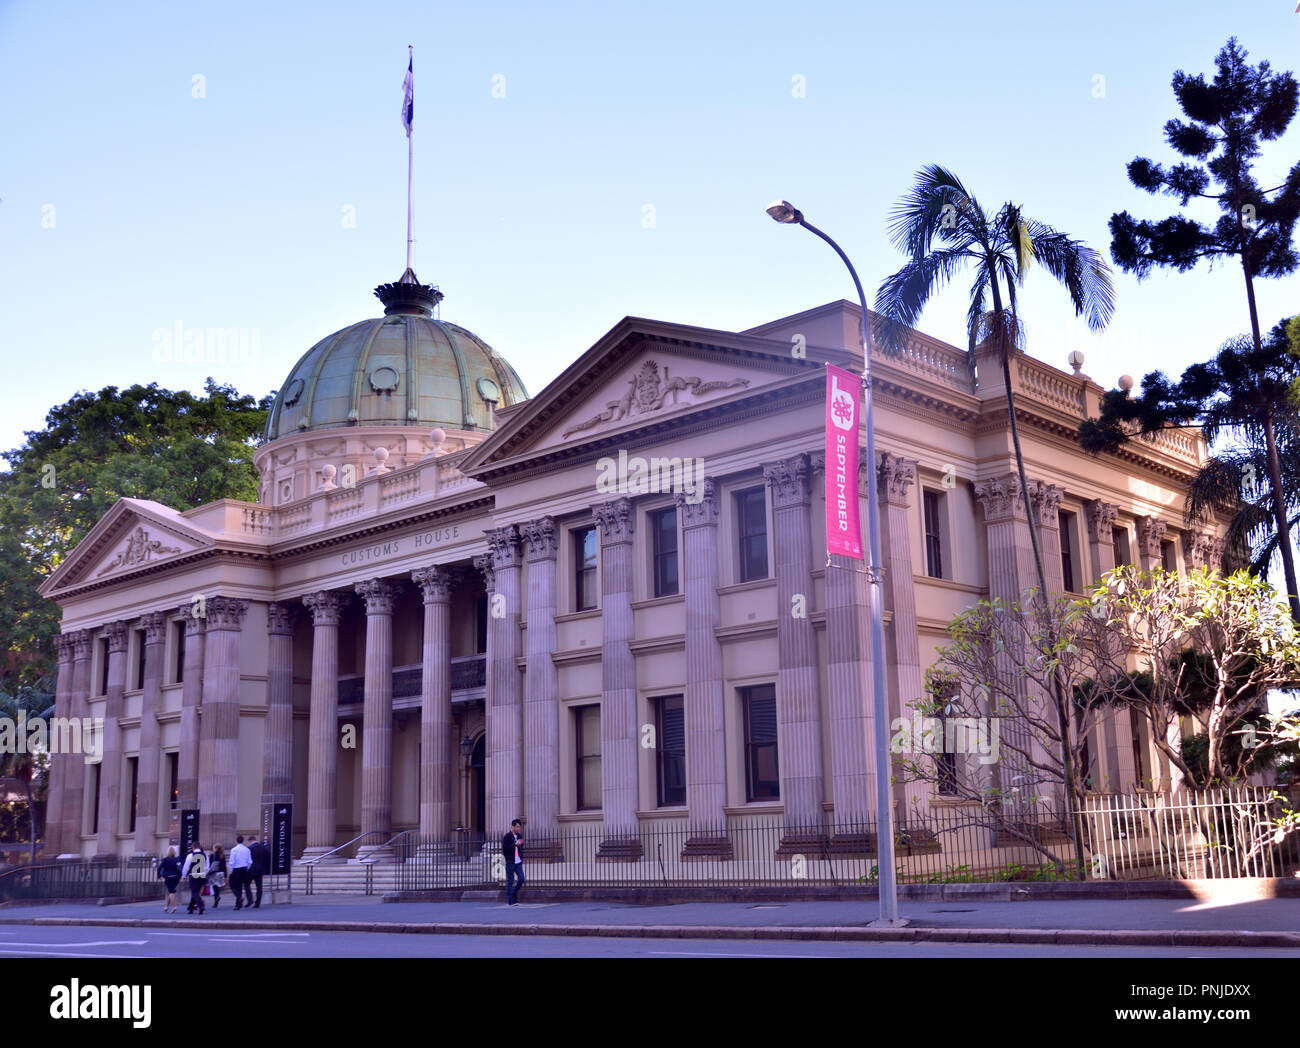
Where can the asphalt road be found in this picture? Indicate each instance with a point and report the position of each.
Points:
(90, 942)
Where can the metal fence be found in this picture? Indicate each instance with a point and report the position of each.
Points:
(1230, 832)
(87, 879)
(1217, 834)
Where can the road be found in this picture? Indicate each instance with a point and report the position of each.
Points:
(89, 942)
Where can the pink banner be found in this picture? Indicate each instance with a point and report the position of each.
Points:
(843, 402)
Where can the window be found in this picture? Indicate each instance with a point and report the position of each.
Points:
(586, 732)
(751, 521)
(1119, 544)
(139, 658)
(103, 666)
(1066, 522)
(663, 531)
(762, 774)
(945, 761)
(94, 793)
(173, 779)
(584, 569)
(670, 750)
(133, 797)
(178, 628)
(1168, 556)
(1141, 755)
(932, 509)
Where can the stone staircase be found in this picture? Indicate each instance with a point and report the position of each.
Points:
(345, 878)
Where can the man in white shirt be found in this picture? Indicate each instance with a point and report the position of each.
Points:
(241, 867)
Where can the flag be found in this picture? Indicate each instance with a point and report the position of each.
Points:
(408, 101)
(843, 402)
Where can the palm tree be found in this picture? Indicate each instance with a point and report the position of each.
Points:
(1002, 248)
(942, 228)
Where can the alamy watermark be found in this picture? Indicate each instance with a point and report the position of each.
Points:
(81, 735)
(978, 736)
(633, 475)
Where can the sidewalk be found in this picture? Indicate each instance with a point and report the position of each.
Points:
(1225, 921)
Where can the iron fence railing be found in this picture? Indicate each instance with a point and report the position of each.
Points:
(1215, 834)
(111, 878)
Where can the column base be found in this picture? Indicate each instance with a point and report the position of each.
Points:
(620, 849)
(548, 850)
(380, 853)
(701, 847)
(317, 853)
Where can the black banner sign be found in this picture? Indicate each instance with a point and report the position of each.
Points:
(281, 842)
(189, 830)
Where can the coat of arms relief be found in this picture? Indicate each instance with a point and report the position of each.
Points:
(649, 390)
(139, 547)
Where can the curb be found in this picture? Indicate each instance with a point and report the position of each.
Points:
(831, 933)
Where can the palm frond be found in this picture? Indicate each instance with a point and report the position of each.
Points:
(1079, 269)
(937, 205)
(902, 296)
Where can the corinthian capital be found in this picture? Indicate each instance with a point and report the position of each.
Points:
(541, 536)
(325, 607)
(894, 475)
(788, 480)
(378, 595)
(503, 547)
(1151, 532)
(1046, 501)
(615, 519)
(704, 512)
(1100, 517)
(435, 583)
(1001, 498)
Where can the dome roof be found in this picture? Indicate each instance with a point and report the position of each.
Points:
(402, 369)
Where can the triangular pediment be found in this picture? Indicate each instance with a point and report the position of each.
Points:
(649, 373)
(134, 534)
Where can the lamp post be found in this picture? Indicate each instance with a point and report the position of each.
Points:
(785, 212)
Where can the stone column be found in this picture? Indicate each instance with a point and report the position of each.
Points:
(1196, 549)
(322, 752)
(110, 769)
(219, 722)
(798, 698)
(187, 770)
(437, 746)
(146, 815)
(618, 720)
(894, 475)
(377, 722)
(1151, 533)
(74, 807)
(63, 765)
(848, 682)
(1046, 504)
(1011, 572)
(504, 706)
(542, 692)
(706, 755)
(1113, 734)
(277, 743)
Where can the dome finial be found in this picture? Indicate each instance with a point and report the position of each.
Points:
(407, 296)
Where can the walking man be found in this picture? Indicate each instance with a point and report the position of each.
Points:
(241, 862)
(196, 872)
(261, 867)
(514, 862)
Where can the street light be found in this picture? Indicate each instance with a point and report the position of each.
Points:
(786, 213)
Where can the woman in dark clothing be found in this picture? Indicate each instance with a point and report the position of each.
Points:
(169, 872)
(217, 874)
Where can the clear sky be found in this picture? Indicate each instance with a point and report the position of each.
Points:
(236, 165)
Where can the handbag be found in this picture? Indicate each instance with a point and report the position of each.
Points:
(206, 890)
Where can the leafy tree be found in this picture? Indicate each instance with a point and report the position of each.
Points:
(1244, 391)
(143, 442)
(28, 769)
(1227, 119)
(942, 229)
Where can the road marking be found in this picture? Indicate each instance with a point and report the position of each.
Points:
(99, 942)
(695, 953)
(234, 938)
(234, 932)
(54, 953)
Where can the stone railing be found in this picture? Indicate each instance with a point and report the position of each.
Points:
(942, 364)
(1044, 383)
(377, 493)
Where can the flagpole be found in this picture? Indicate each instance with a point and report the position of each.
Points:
(410, 159)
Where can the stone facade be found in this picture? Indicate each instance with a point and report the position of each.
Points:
(427, 649)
